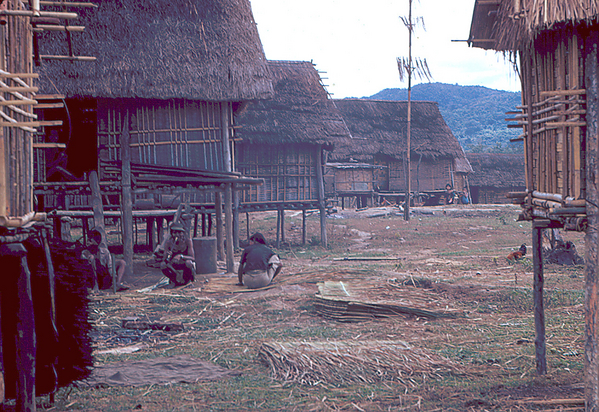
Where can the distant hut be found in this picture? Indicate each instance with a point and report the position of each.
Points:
(494, 176)
(556, 43)
(379, 133)
(154, 112)
(284, 140)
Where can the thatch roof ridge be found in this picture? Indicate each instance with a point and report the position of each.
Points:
(192, 49)
(300, 111)
(497, 170)
(502, 26)
(379, 127)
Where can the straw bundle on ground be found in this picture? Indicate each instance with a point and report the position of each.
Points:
(362, 300)
(338, 363)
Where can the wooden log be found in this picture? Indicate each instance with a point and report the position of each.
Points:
(537, 243)
(126, 200)
(562, 92)
(556, 197)
(591, 298)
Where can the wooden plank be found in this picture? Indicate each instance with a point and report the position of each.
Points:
(40, 28)
(71, 58)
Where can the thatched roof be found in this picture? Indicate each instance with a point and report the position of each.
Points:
(193, 49)
(511, 25)
(379, 127)
(300, 112)
(497, 170)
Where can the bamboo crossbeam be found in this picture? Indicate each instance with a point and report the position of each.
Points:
(49, 97)
(556, 197)
(562, 92)
(555, 125)
(49, 145)
(49, 106)
(27, 13)
(39, 28)
(18, 89)
(72, 58)
(17, 102)
(31, 124)
(4, 75)
(68, 4)
(547, 204)
(569, 211)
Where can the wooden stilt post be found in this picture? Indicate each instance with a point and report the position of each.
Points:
(235, 218)
(321, 199)
(126, 204)
(98, 209)
(247, 225)
(220, 240)
(229, 227)
(282, 225)
(225, 124)
(151, 229)
(537, 242)
(51, 291)
(303, 227)
(25, 340)
(278, 240)
(591, 298)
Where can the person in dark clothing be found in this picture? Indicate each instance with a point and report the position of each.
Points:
(178, 263)
(258, 265)
(104, 263)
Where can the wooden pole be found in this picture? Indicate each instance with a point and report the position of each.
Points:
(321, 199)
(247, 226)
(25, 339)
(278, 241)
(229, 227)
(282, 225)
(406, 212)
(537, 243)
(235, 218)
(51, 291)
(303, 227)
(591, 298)
(126, 204)
(218, 212)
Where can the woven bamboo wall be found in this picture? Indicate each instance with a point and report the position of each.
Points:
(178, 133)
(429, 175)
(553, 144)
(16, 142)
(289, 172)
(351, 180)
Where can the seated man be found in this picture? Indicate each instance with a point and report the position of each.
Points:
(258, 265)
(178, 263)
(104, 263)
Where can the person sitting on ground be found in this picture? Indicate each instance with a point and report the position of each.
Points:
(464, 198)
(449, 194)
(259, 265)
(178, 262)
(104, 263)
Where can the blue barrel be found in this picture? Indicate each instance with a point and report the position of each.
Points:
(205, 254)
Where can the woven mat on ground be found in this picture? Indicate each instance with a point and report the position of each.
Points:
(158, 371)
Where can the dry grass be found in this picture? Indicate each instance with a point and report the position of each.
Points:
(486, 355)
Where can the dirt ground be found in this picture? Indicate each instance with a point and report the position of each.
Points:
(448, 258)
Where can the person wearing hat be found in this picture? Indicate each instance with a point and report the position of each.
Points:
(178, 263)
(103, 262)
(258, 265)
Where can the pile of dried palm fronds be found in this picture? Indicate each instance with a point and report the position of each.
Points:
(368, 299)
(337, 363)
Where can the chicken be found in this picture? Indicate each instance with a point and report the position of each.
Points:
(519, 254)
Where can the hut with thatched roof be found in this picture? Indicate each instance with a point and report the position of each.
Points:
(284, 140)
(494, 176)
(379, 133)
(555, 44)
(154, 112)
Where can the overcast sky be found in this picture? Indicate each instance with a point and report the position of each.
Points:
(356, 42)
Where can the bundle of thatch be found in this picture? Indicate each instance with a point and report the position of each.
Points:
(338, 363)
(350, 301)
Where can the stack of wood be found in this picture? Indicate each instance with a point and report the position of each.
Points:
(338, 363)
(553, 206)
(358, 301)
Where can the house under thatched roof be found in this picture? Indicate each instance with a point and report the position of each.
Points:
(379, 127)
(499, 170)
(300, 112)
(511, 25)
(193, 49)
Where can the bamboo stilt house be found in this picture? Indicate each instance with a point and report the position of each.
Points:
(555, 46)
(379, 133)
(155, 108)
(284, 140)
(494, 176)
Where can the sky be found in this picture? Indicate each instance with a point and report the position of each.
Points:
(356, 43)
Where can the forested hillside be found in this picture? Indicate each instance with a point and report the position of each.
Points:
(475, 114)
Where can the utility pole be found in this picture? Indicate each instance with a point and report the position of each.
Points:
(407, 67)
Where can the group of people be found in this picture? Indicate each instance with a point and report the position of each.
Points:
(258, 266)
(452, 197)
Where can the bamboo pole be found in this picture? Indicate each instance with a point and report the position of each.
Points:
(225, 112)
(218, 212)
(591, 298)
(321, 198)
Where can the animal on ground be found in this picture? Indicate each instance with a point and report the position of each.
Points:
(518, 254)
